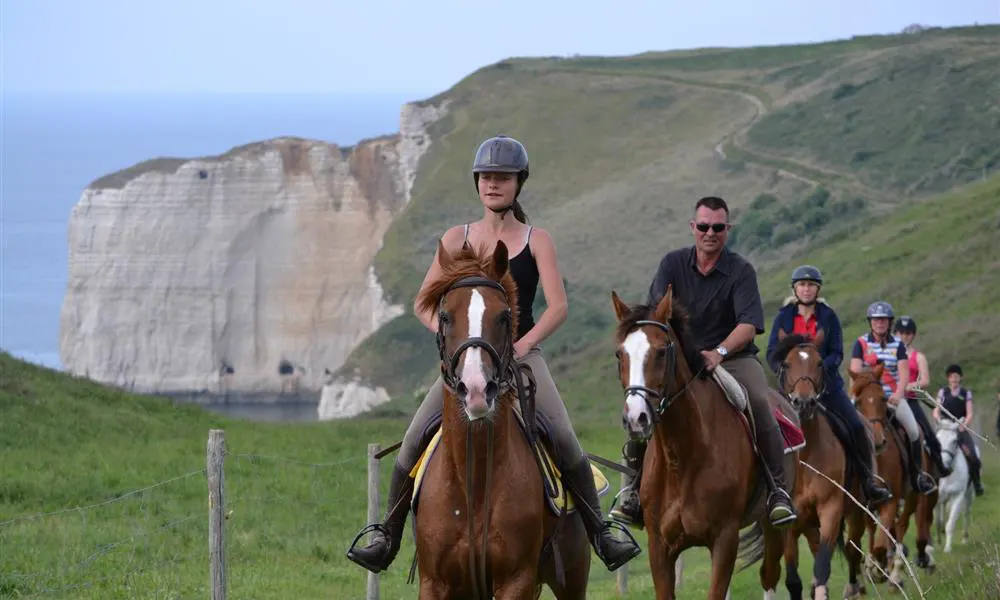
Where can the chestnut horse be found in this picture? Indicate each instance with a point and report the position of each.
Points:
(818, 502)
(700, 481)
(870, 401)
(482, 522)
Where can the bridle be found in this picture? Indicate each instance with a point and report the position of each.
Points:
(883, 421)
(819, 387)
(649, 394)
(505, 377)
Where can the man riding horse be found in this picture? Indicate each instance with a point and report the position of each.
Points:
(719, 287)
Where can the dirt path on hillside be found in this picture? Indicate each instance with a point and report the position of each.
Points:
(793, 170)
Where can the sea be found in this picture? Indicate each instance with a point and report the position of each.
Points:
(53, 146)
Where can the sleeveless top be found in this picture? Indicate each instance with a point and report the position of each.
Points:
(873, 353)
(914, 373)
(524, 271)
(955, 404)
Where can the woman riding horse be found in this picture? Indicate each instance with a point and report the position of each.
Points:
(920, 378)
(499, 171)
(878, 345)
(805, 313)
(957, 400)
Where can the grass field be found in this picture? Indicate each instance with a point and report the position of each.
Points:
(295, 492)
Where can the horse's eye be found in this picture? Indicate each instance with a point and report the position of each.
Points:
(444, 317)
(618, 354)
(661, 353)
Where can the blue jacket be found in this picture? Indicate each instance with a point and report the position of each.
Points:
(833, 342)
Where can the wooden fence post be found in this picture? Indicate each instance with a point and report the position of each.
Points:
(373, 510)
(621, 575)
(216, 513)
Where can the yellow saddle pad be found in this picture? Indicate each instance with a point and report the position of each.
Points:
(556, 504)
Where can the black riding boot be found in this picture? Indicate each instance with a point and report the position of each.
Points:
(922, 482)
(380, 552)
(780, 511)
(872, 485)
(614, 553)
(975, 466)
(627, 509)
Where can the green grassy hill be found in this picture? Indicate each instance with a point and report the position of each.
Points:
(807, 143)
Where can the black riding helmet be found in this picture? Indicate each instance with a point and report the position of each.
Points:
(905, 324)
(501, 154)
(807, 273)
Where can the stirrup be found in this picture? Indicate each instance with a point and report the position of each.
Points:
(637, 550)
(621, 518)
(926, 477)
(374, 527)
(783, 521)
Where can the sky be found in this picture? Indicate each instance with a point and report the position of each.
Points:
(404, 46)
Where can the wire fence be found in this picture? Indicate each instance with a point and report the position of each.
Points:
(260, 514)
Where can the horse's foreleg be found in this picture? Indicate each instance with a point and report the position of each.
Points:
(770, 566)
(954, 509)
(522, 584)
(723, 553)
(792, 581)
(830, 514)
(968, 514)
(662, 565)
(852, 551)
(923, 518)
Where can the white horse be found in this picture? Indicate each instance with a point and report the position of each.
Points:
(955, 490)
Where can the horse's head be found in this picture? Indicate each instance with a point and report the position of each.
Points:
(947, 435)
(801, 374)
(650, 357)
(474, 300)
(869, 398)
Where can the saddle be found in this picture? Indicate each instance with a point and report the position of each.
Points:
(792, 436)
(557, 498)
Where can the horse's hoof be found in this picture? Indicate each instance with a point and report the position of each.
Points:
(819, 593)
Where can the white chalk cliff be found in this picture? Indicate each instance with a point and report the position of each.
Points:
(191, 274)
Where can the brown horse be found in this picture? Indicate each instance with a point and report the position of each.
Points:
(700, 481)
(483, 520)
(871, 402)
(818, 502)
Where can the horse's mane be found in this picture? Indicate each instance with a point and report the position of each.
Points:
(785, 345)
(467, 262)
(678, 322)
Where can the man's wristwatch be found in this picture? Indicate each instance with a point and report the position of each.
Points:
(722, 351)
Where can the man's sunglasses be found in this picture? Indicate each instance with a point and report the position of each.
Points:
(716, 227)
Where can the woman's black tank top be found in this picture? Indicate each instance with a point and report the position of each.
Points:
(524, 271)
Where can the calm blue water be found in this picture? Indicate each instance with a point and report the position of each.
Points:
(53, 146)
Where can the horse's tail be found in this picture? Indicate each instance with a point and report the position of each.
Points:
(751, 548)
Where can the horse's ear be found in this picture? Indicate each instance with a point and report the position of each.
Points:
(621, 309)
(444, 259)
(853, 374)
(500, 262)
(877, 371)
(665, 309)
(820, 336)
(781, 334)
